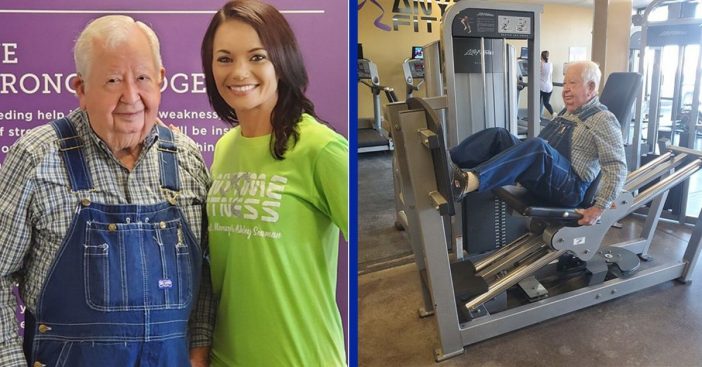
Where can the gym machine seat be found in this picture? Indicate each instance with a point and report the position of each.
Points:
(519, 199)
(619, 94)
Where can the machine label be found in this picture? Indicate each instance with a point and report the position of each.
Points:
(578, 241)
(513, 25)
(468, 55)
(493, 23)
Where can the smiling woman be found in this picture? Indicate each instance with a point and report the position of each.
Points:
(244, 75)
(278, 200)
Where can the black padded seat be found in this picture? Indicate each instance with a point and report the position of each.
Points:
(619, 94)
(519, 199)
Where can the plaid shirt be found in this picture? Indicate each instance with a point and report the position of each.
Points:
(35, 214)
(597, 144)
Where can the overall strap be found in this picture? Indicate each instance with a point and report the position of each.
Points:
(70, 146)
(168, 160)
(588, 112)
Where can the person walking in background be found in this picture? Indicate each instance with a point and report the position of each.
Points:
(546, 83)
(278, 200)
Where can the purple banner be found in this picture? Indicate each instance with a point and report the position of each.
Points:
(36, 65)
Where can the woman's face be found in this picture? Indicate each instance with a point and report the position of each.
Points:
(244, 75)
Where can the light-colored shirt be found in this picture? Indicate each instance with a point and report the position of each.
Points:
(546, 75)
(597, 144)
(274, 241)
(37, 207)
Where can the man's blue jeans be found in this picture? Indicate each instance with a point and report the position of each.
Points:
(499, 158)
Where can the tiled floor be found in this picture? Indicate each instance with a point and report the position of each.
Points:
(658, 326)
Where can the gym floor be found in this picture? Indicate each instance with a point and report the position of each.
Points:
(380, 244)
(658, 326)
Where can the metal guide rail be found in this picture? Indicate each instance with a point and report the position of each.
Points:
(610, 271)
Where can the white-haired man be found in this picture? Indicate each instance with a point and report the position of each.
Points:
(100, 219)
(559, 165)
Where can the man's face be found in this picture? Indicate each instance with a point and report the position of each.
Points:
(121, 92)
(575, 92)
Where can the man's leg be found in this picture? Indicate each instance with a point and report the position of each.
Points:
(538, 167)
(482, 146)
(474, 150)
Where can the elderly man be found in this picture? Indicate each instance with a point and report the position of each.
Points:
(562, 162)
(100, 219)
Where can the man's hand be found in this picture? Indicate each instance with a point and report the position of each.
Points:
(200, 356)
(590, 215)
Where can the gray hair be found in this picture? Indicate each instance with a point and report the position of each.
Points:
(590, 72)
(114, 31)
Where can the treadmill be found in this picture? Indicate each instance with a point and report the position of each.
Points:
(371, 135)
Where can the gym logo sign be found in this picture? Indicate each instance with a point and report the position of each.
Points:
(409, 13)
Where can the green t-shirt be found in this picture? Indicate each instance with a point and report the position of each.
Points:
(274, 237)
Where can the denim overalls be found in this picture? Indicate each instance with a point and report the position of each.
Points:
(120, 291)
(559, 133)
(541, 164)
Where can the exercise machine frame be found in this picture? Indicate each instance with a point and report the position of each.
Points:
(425, 207)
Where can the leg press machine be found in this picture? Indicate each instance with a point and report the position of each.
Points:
(560, 266)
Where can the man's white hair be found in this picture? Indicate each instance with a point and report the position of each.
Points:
(590, 72)
(113, 30)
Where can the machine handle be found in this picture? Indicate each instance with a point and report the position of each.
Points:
(544, 212)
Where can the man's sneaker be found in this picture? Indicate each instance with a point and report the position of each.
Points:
(459, 183)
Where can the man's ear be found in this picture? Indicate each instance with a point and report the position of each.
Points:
(162, 77)
(592, 87)
(78, 84)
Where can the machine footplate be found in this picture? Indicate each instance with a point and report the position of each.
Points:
(533, 289)
(466, 284)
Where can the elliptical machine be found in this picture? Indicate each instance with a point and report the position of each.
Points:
(413, 71)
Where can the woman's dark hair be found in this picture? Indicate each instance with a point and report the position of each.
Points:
(544, 55)
(279, 41)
